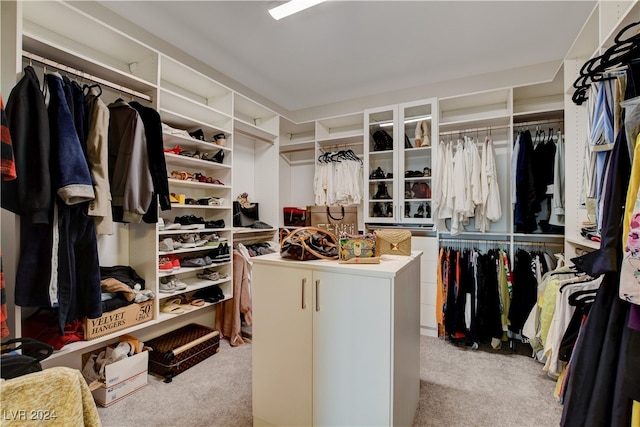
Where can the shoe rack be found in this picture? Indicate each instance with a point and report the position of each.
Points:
(199, 163)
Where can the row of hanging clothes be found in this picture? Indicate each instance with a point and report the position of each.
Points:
(338, 178)
(465, 185)
(81, 165)
(564, 298)
(537, 181)
(603, 387)
(481, 299)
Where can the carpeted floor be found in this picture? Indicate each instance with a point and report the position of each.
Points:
(458, 387)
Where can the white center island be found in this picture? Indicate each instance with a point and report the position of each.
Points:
(335, 344)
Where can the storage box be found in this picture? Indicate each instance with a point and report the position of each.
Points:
(176, 351)
(122, 378)
(116, 320)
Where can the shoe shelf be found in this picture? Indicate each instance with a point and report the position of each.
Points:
(179, 206)
(187, 250)
(190, 162)
(88, 44)
(192, 285)
(181, 121)
(185, 270)
(195, 184)
(167, 316)
(171, 140)
(184, 231)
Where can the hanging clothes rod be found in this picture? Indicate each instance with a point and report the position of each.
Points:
(87, 76)
(476, 242)
(525, 243)
(488, 129)
(324, 148)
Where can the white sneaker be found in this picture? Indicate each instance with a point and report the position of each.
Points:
(178, 284)
(166, 245)
(166, 286)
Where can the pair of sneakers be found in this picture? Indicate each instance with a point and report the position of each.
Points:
(167, 264)
(171, 284)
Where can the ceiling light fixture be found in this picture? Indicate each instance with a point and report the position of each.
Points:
(291, 7)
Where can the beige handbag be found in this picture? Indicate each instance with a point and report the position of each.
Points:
(393, 242)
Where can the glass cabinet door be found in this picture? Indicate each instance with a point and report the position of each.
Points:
(415, 161)
(380, 149)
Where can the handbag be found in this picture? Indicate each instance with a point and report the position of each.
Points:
(244, 216)
(358, 249)
(294, 217)
(33, 352)
(309, 243)
(393, 242)
(336, 219)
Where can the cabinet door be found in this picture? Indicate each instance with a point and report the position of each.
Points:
(415, 158)
(351, 350)
(282, 358)
(380, 142)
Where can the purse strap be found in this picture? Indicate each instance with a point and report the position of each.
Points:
(303, 240)
(331, 216)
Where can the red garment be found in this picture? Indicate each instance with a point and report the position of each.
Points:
(43, 326)
(7, 164)
(4, 329)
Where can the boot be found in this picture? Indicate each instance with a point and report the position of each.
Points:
(420, 212)
(382, 192)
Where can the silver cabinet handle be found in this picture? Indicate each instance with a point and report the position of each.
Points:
(304, 282)
(317, 295)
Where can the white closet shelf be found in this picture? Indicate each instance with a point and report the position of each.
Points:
(208, 207)
(209, 124)
(202, 230)
(193, 285)
(253, 131)
(118, 74)
(171, 140)
(194, 184)
(167, 316)
(474, 123)
(184, 270)
(581, 241)
(190, 162)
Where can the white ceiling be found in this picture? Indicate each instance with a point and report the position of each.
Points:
(343, 50)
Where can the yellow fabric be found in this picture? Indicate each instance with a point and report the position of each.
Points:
(439, 294)
(635, 414)
(632, 192)
(548, 308)
(53, 397)
(557, 391)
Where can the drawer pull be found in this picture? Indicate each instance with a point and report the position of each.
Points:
(304, 282)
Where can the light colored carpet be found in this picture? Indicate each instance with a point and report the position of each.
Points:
(458, 387)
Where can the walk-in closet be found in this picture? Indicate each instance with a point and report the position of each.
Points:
(160, 158)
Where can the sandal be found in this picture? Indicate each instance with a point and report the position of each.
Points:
(172, 306)
(214, 181)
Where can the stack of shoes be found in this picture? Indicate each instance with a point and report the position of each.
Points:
(210, 294)
(165, 224)
(590, 233)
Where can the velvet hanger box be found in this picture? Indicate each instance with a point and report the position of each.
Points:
(118, 319)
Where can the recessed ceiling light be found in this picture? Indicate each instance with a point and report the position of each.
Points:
(291, 7)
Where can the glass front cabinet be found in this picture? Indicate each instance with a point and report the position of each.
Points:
(398, 162)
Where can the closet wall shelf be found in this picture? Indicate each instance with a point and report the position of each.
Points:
(179, 206)
(171, 140)
(195, 184)
(196, 111)
(345, 141)
(180, 121)
(297, 147)
(185, 270)
(475, 124)
(190, 162)
(181, 231)
(204, 248)
(253, 132)
(84, 76)
(581, 241)
(193, 285)
(167, 316)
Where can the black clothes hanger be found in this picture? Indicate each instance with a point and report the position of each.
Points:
(595, 69)
(87, 88)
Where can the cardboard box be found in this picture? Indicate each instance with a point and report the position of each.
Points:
(121, 378)
(116, 320)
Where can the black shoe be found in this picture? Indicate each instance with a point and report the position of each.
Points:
(382, 192)
(219, 156)
(260, 224)
(197, 134)
(377, 174)
(377, 210)
(420, 212)
(407, 142)
(214, 224)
